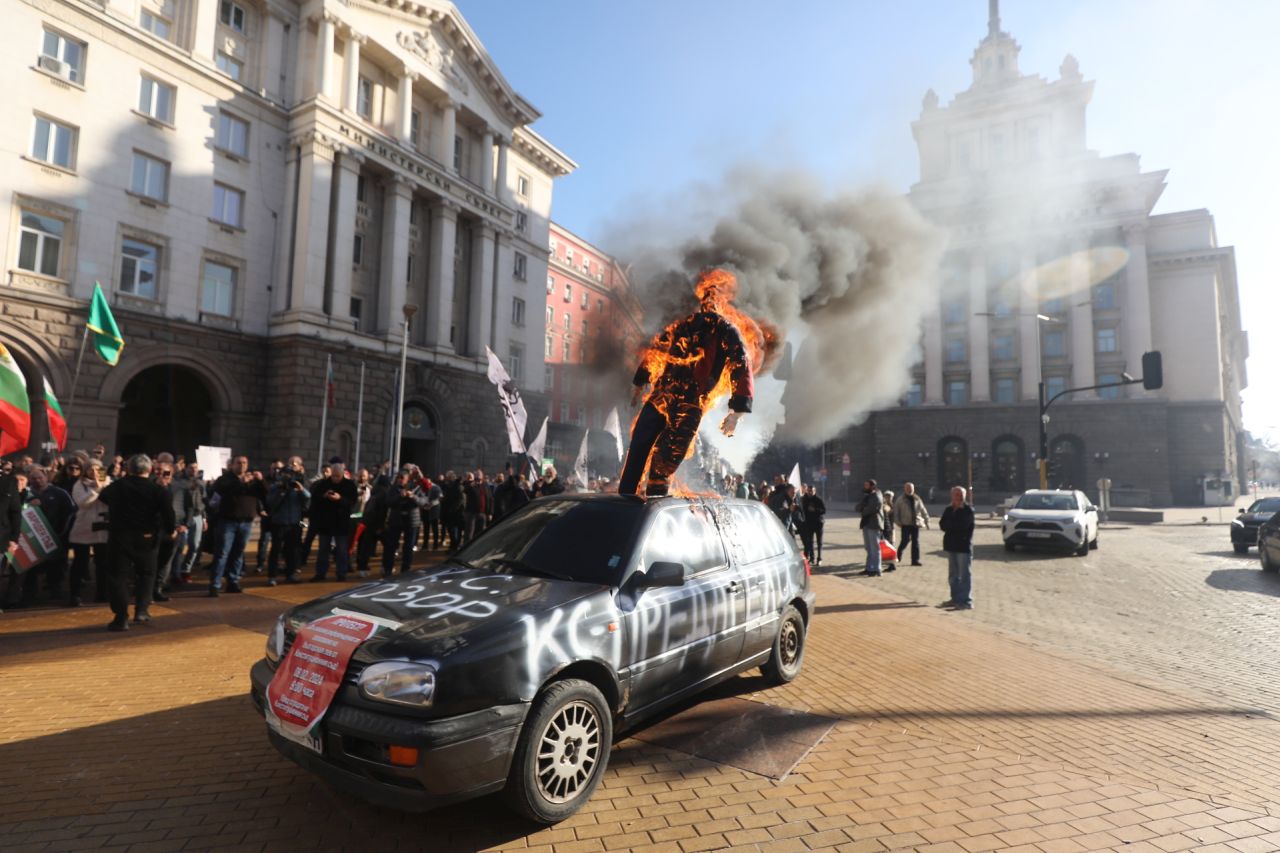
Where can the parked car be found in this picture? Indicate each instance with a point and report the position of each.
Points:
(510, 666)
(1052, 518)
(1269, 544)
(1244, 527)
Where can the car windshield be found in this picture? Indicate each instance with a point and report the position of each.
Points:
(1056, 502)
(582, 540)
(1266, 505)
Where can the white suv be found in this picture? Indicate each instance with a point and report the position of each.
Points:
(1052, 518)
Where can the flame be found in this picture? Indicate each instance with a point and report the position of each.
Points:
(715, 290)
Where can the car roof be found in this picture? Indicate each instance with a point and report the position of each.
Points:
(1050, 492)
(650, 504)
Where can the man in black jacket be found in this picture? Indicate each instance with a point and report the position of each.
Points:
(814, 510)
(957, 525)
(59, 510)
(871, 509)
(404, 501)
(139, 516)
(332, 501)
(242, 497)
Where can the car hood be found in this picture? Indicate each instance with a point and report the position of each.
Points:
(1252, 518)
(447, 606)
(1063, 515)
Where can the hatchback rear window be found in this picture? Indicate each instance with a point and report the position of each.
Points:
(1054, 502)
(753, 532)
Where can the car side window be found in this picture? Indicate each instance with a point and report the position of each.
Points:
(753, 533)
(684, 535)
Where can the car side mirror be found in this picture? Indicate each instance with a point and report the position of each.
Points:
(1091, 508)
(663, 574)
(1242, 510)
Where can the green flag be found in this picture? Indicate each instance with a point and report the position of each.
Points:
(106, 335)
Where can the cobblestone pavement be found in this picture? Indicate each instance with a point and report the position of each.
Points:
(950, 735)
(1171, 603)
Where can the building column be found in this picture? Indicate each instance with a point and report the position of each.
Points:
(480, 298)
(504, 187)
(486, 161)
(204, 28)
(311, 234)
(324, 56)
(444, 233)
(1028, 331)
(404, 102)
(392, 287)
(1082, 343)
(1137, 304)
(933, 359)
(344, 231)
(351, 71)
(979, 343)
(448, 129)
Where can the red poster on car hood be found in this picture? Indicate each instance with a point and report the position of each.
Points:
(306, 680)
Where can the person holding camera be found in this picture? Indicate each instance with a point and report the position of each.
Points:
(332, 501)
(241, 496)
(140, 514)
(287, 503)
(405, 500)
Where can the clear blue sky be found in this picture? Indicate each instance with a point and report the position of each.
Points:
(653, 97)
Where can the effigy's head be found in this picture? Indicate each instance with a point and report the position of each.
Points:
(715, 288)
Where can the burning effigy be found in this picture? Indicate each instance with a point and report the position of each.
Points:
(689, 367)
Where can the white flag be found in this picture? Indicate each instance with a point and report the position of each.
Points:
(794, 479)
(536, 448)
(580, 464)
(614, 428)
(509, 398)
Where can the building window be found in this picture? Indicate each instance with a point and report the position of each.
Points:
(522, 221)
(515, 358)
(955, 349)
(551, 285)
(150, 177)
(520, 268)
(157, 25)
(228, 205)
(408, 268)
(360, 189)
(1052, 307)
(355, 309)
(1002, 347)
(1104, 296)
(231, 15)
(1109, 393)
(517, 311)
(568, 322)
(957, 392)
(568, 292)
(54, 143)
(1055, 344)
(581, 419)
(565, 353)
(357, 250)
(415, 128)
(218, 289)
(551, 315)
(229, 65)
(1106, 340)
(63, 56)
(564, 413)
(914, 395)
(547, 377)
(457, 154)
(568, 255)
(1054, 385)
(233, 135)
(138, 266)
(599, 304)
(1004, 390)
(997, 146)
(585, 300)
(549, 348)
(364, 97)
(155, 99)
(40, 243)
(584, 326)
(522, 190)
(953, 313)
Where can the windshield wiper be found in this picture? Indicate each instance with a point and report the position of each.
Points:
(464, 564)
(527, 569)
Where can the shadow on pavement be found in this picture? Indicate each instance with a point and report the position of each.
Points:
(1230, 553)
(1245, 580)
(857, 608)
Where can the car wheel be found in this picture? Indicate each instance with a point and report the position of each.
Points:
(788, 648)
(1008, 546)
(1093, 546)
(1083, 550)
(1242, 549)
(1268, 565)
(562, 752)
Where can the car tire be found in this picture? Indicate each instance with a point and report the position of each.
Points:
(1241, 549)
(1083, 550)
(788, 648)
(562, 752)
(1093, 546)
(1267, 564)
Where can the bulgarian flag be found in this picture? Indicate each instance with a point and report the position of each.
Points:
(57, 421)
(107, 341)
(15, 408)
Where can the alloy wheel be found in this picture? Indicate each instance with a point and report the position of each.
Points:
(568, 751)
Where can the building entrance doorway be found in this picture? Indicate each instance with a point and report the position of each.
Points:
(165, 408)
(420, 441)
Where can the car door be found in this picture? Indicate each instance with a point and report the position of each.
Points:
(764, 555)
(675, 637)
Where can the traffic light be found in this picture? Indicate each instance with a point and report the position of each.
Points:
(1152, 371)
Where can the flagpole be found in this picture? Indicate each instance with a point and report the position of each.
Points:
(75, 379)
(324, 410)
(359, 417)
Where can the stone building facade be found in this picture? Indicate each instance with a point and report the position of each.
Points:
(260, 186)
(1058, 272)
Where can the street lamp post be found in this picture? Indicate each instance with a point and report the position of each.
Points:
(409, 311)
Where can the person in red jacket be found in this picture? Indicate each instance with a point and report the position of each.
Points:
(685, 364)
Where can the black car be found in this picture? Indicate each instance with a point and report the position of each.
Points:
(1244, 528)
(511, 665)
(1269, 544)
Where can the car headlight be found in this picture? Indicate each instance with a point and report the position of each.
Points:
(1235, 522)
(399, 681)
(275, 641)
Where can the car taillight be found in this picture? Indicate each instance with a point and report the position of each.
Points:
(807, 571)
